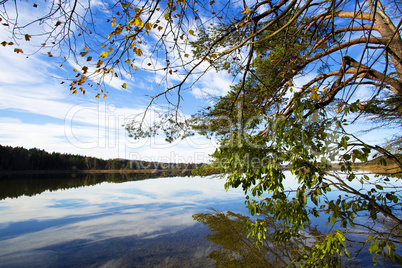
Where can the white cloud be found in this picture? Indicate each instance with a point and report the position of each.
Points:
(212, 84)
(40, 112)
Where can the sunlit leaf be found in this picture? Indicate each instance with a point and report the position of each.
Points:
(138, 51)
(148, 26)
(314, 96)
(103, 54)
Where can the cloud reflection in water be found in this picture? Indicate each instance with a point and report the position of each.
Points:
(38, 226)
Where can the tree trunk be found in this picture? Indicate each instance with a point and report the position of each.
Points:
(388, 31)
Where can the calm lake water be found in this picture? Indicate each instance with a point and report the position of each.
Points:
(113, 220)
(129, 224)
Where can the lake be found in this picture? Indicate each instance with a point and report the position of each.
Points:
(119, 220)
(147, 222)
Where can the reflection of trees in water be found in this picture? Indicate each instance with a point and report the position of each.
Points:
(239, 249)
(13, 186)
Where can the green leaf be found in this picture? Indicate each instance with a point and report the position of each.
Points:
(373, 248)
(379, 187)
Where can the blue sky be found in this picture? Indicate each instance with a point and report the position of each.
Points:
(37, 111)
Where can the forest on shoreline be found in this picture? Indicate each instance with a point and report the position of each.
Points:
(19, 159)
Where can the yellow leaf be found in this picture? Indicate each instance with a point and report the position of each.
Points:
(58, 23)
(167, 15)
(103, 54)
(246, 11)
(97, 95)
(74, 70)
(314, 96)
(89, 58)
(186, 55)
(148, 26)
(103, 45)
(18, 50)
(104, 95)
(27, 37)
(138, 51)
(289, 83)
(86, 48)
(160, 28)
(74, 91)
(124, 86)
(191, 32)
(4, 43)
(138, 22)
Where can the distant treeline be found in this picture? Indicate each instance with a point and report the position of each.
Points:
(19, 158)
(13, 186)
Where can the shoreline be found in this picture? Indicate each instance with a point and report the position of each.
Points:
(95, 171)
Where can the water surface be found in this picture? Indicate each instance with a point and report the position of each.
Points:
(130, 224)
(131, 220)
